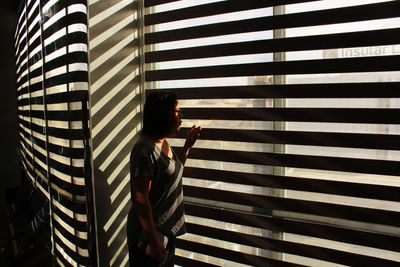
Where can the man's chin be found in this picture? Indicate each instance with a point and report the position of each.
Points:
(175, 132)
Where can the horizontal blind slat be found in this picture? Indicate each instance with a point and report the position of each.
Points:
(75, 153)
(306, 228)
(370, 166)
(359, 214)
(71, 38)
(70, 187)
(322, 90)
(71, 77)
(74, 96)
(72, 204)
(350, 140)
(65, 60)
(78, 225)
(312, 251)
(183, 261)
(71, 253)
(347, 115)
(338, 65)
(230, 254)
(328, 41)
(71, 115)
(211, 9)
(312, 18)
(64, 168)
(368, 191)
(68, 20)
(149, 3)
(82, 243)
(73, 134)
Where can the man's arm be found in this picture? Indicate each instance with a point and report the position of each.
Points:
(191, 137)
(154, 249)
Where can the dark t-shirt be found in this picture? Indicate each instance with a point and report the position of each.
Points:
(166, 196)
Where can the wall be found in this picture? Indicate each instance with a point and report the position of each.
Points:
(9, 159)
(8, 108)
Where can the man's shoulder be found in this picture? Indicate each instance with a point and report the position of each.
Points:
(143, 145)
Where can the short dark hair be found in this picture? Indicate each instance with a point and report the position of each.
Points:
(156, 111)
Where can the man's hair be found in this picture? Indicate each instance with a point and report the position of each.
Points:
(156, 111)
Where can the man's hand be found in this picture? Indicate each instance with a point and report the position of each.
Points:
(155, 250)
(192, 135)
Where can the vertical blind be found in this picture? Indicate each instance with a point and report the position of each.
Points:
(52, 95)
(298, 163)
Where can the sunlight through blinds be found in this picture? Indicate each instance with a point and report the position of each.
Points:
(298, 163)
(115, 109)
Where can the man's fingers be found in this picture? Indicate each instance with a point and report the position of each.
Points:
(190, 131)
(197, 131)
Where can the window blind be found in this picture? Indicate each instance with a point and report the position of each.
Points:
(52, 96)
(298, 163)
